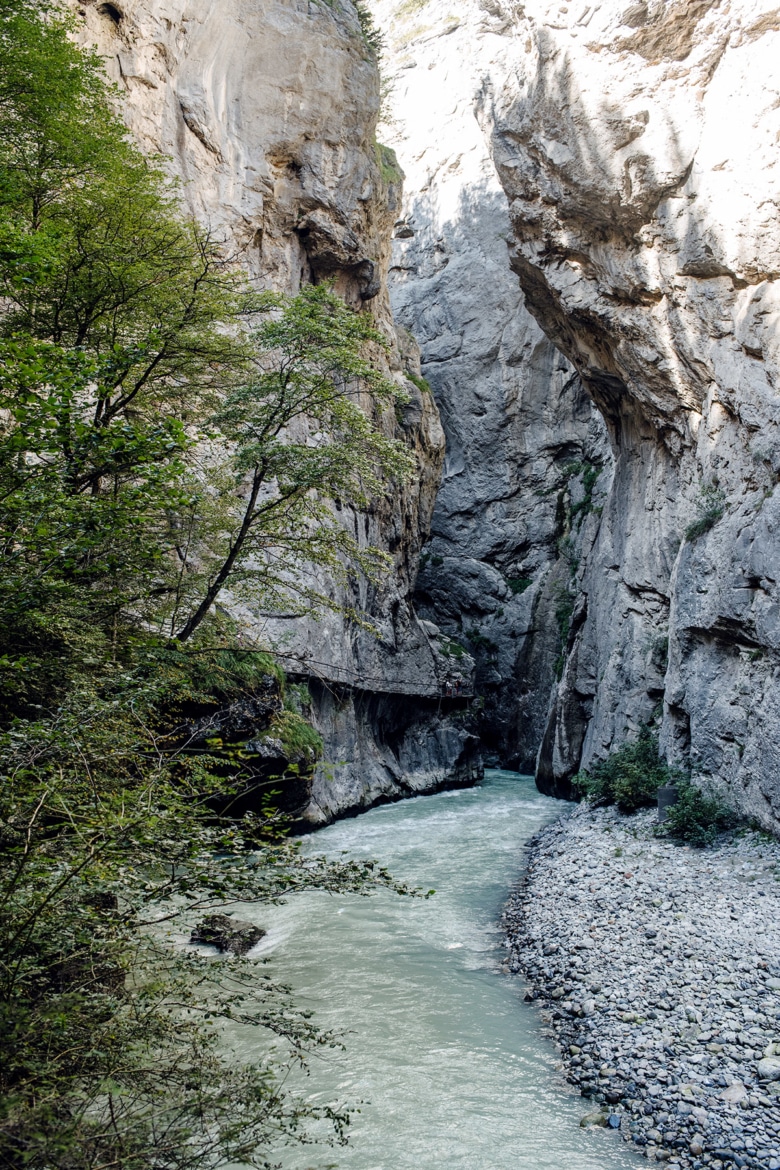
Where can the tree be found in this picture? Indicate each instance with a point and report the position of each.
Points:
(94, 251)
(120, 329)
(163, 446)
(154, 448)
(299, 437)
(110, 1038)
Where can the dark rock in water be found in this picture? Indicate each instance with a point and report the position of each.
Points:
(594, 1118)
(228, 935)
(104, 901)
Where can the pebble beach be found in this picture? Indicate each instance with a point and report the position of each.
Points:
(656, 969)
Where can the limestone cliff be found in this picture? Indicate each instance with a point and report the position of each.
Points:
(637, 144)
(604, 540)
(266, 110)
(527, 455)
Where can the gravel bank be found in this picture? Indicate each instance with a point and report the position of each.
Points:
(657, 970)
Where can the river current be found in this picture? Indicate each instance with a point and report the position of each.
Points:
(448, 1062)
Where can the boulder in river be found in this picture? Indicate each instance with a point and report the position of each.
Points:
(596, 1118)
(228, 935)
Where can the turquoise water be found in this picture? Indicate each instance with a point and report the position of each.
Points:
(447, 1060)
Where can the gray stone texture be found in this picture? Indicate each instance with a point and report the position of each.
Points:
(266, 110)
(637, 147)
(655, 969)
(634, 174)
(520, 429)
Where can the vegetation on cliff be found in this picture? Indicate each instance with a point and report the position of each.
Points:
(165, 432)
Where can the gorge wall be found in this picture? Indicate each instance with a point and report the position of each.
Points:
(587, 254)
(528, 460)
(267, 110)
(638, 147)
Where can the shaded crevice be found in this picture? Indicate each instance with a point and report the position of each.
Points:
(385, 747)
(112, 12)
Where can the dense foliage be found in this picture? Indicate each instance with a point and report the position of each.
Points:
(165, 433)
(695, 818)
(629, 777)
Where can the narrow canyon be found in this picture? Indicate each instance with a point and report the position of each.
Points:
(573, 250)
(426, 355)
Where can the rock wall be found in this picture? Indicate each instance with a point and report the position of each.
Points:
(267, 110)
(637, 144)
(523, 438)
(636, 148)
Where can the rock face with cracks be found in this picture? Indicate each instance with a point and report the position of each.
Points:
(266, 110)
(598, 585)
(637, 145)
(527, 455)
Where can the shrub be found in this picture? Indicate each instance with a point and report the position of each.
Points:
(590, 473)
(481, 642)
(712, 505)
(422, 384)
(659, 652)
(697, 819)
(630, 777)
(297, 698)
(211, 674)
(452, 649)
(372, 36)
(391, 173)
(519, 585)
(564, 610)
(298, 737)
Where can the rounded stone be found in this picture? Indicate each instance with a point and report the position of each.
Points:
(769, 1068)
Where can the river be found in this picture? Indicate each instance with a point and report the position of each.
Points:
(447, 1060)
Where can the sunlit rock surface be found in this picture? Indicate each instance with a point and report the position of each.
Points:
(636, 148)
(637, 144)
(266, 110)
(521, 432)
